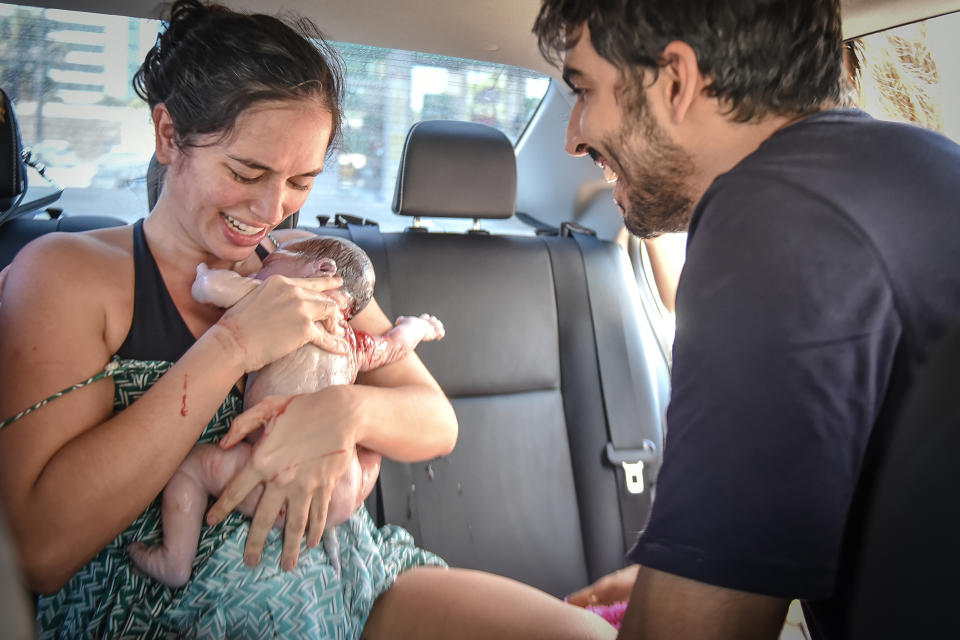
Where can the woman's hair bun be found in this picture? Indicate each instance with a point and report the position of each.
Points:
(210, 63)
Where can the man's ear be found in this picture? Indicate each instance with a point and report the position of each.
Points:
(679, 80)
(165, 133)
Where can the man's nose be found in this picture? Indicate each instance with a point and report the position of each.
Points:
(575, 145)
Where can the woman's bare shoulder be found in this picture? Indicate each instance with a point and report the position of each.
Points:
(66, 258)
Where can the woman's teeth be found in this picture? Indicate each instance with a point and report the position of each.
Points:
(240, 227)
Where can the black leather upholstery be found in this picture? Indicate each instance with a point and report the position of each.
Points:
(455, 169)
(526, 492)
(19, 231)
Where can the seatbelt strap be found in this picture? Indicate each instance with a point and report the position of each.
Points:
(583, 409)
(629, 413)
(540, 227)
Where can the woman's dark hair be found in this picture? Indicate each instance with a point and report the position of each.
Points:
(763, 57)
(211, 63)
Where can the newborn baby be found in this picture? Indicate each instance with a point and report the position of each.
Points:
(208, 468)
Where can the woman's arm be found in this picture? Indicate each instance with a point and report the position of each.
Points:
(667, 254)
(72, 475)
(72, 466)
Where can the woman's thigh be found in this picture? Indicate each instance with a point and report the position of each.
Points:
(432, 602)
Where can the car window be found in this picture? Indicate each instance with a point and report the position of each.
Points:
(69, 76)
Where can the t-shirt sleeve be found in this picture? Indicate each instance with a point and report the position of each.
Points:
(786, 333)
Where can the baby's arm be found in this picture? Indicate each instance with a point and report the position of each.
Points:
(378, 351)
(221, 287)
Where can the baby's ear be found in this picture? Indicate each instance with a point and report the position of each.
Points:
(325, 267)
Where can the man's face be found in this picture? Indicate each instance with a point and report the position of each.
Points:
(615, 126)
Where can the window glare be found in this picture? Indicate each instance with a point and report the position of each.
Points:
(69, 75)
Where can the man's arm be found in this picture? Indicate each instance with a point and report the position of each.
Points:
(664, 607)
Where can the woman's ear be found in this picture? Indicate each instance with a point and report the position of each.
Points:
(681, 80)
(165, 133)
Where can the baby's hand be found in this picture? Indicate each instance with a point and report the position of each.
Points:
(221, 287)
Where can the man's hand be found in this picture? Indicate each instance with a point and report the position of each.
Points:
(613, 587)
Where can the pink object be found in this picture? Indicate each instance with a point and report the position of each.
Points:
(612, 613)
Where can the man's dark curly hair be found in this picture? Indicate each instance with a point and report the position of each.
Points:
(763, 57)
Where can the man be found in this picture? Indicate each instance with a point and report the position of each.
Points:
(822, 265)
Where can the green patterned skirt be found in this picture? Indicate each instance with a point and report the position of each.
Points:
(225, 598)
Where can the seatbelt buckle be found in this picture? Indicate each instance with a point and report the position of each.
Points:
(633, 471)
(632, 463)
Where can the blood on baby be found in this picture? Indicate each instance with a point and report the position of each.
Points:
(363, 342)
(183, 403)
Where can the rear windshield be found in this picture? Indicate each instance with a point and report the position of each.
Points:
(69, 76)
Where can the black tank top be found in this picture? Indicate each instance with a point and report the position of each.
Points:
(158, 331)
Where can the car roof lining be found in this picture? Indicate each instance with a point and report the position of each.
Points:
(496, 31)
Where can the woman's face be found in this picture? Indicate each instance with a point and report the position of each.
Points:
(228, 195)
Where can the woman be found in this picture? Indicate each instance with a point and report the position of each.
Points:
(244, 109)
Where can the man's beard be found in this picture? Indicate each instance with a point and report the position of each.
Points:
(654, 179)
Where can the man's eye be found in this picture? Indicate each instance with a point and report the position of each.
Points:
(299, 186)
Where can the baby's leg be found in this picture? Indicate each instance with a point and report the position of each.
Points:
(205, 471)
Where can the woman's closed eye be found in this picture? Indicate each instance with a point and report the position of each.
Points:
(245, 179)
(301, 186)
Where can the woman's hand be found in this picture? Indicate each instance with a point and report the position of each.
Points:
(281, 316)
(613, 587)
(301, 456)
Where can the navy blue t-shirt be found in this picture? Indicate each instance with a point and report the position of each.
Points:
(820, 271)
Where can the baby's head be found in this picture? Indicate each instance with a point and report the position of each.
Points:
(326, 256)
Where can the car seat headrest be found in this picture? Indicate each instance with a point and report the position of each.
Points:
(453, 169)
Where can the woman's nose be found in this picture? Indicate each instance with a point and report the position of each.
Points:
(268, 207)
